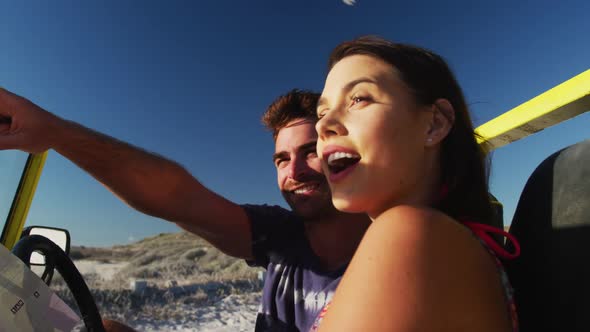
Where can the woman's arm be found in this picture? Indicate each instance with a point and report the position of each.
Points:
(416, 269)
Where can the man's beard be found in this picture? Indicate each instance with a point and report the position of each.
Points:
(313, 208)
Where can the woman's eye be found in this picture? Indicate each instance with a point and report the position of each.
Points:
(355, 100)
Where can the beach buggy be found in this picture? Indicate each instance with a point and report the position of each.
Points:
(552, 223)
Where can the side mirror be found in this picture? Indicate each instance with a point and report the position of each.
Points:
(59, 236)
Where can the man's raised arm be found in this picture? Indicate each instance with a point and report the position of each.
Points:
(147, 182)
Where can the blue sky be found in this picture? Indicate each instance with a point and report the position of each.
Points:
(190, 79)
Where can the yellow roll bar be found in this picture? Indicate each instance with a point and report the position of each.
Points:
(22, 200)
(565, 101)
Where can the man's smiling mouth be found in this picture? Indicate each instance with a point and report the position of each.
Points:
(305, 189)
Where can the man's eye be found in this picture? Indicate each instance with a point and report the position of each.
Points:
(279, 163)
(312, 154)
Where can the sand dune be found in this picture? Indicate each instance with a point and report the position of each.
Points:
(186, 285)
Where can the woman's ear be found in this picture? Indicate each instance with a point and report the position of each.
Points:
(443, 118)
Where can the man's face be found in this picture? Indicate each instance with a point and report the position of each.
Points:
(299, 170)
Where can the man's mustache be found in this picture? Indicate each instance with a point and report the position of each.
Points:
(317, 178)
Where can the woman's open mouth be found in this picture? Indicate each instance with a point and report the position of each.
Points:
(340, 164)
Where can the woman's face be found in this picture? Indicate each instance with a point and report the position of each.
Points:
(373, 137)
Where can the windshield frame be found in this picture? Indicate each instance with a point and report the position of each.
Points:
(22, 199)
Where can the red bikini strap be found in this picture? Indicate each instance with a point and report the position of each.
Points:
(483, 232)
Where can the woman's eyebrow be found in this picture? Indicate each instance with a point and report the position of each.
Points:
(353, 83)
(347, 87)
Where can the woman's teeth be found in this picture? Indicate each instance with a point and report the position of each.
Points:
(341, 155)
(339, 161)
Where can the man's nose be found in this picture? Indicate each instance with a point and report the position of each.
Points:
(297, 169)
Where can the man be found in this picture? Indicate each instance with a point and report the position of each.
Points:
(305, 251)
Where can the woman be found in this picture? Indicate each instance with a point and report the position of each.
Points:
(397, 142)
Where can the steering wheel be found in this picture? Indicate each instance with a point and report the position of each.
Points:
(55, 257)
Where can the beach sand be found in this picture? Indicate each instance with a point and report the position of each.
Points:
(226, 312)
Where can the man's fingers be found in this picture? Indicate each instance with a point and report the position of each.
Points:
(4, 93)
(7, 142)
(6, 104)
(114, 326)
(15, 142)
(10, 102)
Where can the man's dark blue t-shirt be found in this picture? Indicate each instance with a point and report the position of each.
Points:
(296, 288)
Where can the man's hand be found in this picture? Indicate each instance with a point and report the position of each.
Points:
(24, 125)
(114, 326)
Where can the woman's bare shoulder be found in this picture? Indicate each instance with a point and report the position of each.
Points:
(416, 225)
(427, 265)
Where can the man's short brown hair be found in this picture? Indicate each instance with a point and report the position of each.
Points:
(295, 104)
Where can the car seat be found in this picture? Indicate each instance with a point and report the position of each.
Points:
(551, 278)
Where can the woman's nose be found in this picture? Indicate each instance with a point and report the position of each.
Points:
(330, 125)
